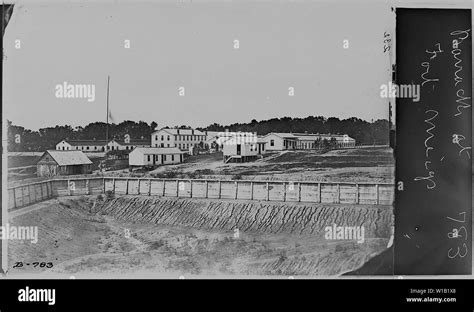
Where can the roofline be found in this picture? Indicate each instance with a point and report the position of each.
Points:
(56, 151)
(165, 129)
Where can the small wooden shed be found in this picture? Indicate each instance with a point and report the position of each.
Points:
(54, 163)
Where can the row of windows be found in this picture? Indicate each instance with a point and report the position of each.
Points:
(165, 157)
(97, 148)
(188, 145)
(183, 138)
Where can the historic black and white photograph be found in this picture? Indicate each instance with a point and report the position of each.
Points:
(228, 139)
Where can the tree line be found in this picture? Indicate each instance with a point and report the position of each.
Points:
(364, 132)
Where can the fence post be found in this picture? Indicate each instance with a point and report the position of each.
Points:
(126, 188)
(377, 193)
(207, 189)
(220, 187)
(138, 192)
(236, 188)
(113, 187)
(22, 197)
(284, 191)
(177, 188)
(69, 186)
(103, 184)
(191, 188)
(268, 191)
(34, 193)
(149, 187)
(164, 187)
(299, 192)
(251, 190)
(319, 192)
(338, 193)
(357, 193)
(14, 197)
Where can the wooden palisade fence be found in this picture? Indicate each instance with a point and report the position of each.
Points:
(303, 191)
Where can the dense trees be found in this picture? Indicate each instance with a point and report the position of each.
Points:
(47, 138)
(376, 132)
(21, 139)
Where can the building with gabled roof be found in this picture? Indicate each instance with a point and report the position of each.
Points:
(155, 156)
(184, 139)
(278, 141)
(54, 163)
(101, 145)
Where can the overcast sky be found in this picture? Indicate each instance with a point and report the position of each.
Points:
(281, 44)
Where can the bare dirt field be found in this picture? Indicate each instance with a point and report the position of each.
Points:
(196, 237)
(351, 165)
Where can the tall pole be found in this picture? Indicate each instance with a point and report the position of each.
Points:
(107, 118)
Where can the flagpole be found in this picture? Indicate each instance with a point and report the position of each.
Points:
(107, 118)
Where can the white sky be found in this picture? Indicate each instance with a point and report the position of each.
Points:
(282, 44)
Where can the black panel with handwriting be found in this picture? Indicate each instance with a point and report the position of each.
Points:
(433, 221)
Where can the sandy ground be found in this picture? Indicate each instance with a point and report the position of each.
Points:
(78, 237)
(352, 165)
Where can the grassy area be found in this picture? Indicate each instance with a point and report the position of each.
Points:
(22, 161)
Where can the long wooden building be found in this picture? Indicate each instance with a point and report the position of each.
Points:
(54, 163)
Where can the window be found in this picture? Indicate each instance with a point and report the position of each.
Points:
(148, 158)
(156, 137)
(172, 157)
(272, 142)
(162, 137)
(168, 145)
(156, 145)
(175, 137)
(168, 137)
(164, 157)
(162, 145)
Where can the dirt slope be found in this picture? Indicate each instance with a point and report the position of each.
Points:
(170, 237)
(260, 217)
